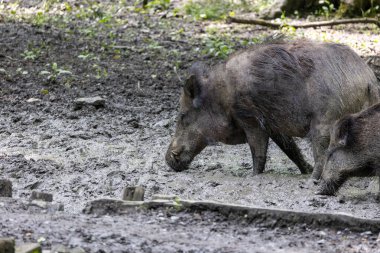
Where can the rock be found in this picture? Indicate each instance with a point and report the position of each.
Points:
(94, 101)
(29, 248)
(162, 123)
(323, 241)
(39, 203)
(77, 250)
(133, 193)
(42, 196)
(33, 100)
(7, 245)
(5, 188)
(59, 248)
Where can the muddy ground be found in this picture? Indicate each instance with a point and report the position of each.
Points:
(137, 62)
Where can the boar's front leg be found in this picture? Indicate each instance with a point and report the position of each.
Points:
(320, 141)
(290, 148)
(258, 142)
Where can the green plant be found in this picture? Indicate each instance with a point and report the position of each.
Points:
(54, 72)
(217, 47)
(208, 9)
(31, 54)
(100, 72)
(88, 56)
(158, 4)
(372, 11)
(39, 18)
(327, 9)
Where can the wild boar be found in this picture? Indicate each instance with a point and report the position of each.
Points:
(277, 90)
(354, 149)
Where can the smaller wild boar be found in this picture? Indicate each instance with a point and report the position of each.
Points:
(354, 149)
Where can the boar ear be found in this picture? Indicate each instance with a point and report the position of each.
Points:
(192, 87)
(344, 133)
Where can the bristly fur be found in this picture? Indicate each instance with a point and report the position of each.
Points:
(299, 68)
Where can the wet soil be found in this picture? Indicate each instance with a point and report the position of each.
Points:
(83, 154)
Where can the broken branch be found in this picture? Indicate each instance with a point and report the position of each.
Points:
(256, 21)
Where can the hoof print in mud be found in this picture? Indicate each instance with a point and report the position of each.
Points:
(97, 102)
(5, 188)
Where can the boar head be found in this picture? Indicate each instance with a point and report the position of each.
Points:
(344, 156)
(202, 118)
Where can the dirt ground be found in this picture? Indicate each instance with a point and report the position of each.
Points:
(80, 154)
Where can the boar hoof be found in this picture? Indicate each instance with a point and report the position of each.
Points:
(325, 192)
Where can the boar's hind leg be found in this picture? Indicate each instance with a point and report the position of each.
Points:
(290, 148)
(258, 142)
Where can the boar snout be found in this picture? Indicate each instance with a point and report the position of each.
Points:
(327, 187)
(176, 158)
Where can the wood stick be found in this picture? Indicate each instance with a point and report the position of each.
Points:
(256, 21)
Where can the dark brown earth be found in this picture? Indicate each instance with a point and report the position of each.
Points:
(137, 62)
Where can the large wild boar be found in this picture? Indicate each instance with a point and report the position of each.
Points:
(354, 149)
(271, 90)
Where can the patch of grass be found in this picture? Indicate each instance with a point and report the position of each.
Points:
(221, 9)
(218, 47)
(158, 5)
(53, 72)
(372, 11)
(209, 9)
(99, 71)
(31, 54)
(327, 9)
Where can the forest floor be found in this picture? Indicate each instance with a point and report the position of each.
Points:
(137, 62)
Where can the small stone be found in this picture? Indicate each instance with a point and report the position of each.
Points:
(133, 193)
(29, 248)
(42, 196)
(39, 203)
(162, 123)
(321, 241)
(59, 248)
(341, 200)
(174, 219)
(7, 245)
(33, 100)
(366, 233)
(94, 101)
(5, 188)
(77, 250)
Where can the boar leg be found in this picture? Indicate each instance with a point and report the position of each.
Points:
(320, 142)
(290, 148)
(258, 142)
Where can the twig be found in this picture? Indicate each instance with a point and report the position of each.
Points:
(256, 21)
